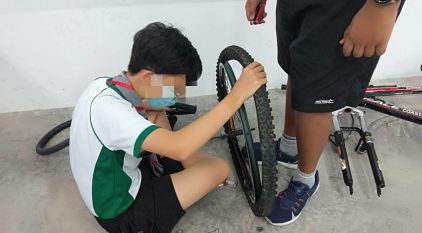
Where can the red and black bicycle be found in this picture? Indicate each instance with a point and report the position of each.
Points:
(372, 101)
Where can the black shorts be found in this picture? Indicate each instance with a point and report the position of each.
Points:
(308, 35)
(156, 207)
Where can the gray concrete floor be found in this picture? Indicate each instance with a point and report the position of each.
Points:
(38, 193)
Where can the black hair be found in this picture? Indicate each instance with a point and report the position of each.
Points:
(164, 50)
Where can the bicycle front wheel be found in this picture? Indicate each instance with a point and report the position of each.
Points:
(259, 185)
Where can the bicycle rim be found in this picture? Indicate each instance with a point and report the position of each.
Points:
(259, 185)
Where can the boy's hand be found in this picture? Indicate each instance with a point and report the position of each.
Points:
(370, 30)
(251, 8)
(252, 78)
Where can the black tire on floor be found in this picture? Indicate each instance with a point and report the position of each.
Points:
(40, 147)
(262, 200)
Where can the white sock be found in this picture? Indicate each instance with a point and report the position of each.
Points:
(288, 145)
(305, 178)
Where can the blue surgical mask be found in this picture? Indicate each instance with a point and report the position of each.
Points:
(168, 99)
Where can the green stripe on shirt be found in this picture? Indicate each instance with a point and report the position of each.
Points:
(141, 138)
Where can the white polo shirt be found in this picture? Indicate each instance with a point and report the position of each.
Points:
(106, 135)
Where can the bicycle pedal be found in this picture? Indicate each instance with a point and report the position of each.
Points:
(229, 183)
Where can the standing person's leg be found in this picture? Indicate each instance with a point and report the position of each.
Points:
(290, 113)
(313, 130)
(312, 134)
(298, 125)
(322, 80)
(286, 145)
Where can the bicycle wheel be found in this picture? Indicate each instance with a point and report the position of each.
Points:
(258, 185)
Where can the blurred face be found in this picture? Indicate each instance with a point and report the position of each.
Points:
(163, 85)
(161, 90)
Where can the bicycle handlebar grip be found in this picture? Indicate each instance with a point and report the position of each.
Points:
(345, 167)
(181, 108)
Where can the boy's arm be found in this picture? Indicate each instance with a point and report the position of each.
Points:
(370, 29)
(179, 145)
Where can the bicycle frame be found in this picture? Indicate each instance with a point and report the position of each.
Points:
(388, 90)
(372, 102)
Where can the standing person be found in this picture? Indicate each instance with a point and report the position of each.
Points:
(119, 126)
(329, 49)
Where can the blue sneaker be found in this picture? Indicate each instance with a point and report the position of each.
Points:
(281, 157)
(288, 205)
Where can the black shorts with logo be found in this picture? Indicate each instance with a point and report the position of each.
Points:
(308, 35)
(156, 208)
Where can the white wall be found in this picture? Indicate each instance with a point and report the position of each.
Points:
(50, 50)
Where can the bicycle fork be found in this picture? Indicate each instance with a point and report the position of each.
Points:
(366, 143)
(341, 146)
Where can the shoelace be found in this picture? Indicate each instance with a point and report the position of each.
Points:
(296, 190)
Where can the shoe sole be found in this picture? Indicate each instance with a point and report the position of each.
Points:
(285, 223)
(287, 165)
(295, 218)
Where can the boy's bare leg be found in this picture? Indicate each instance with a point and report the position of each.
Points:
(199, 178)
(202, 172)
(312, 134)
